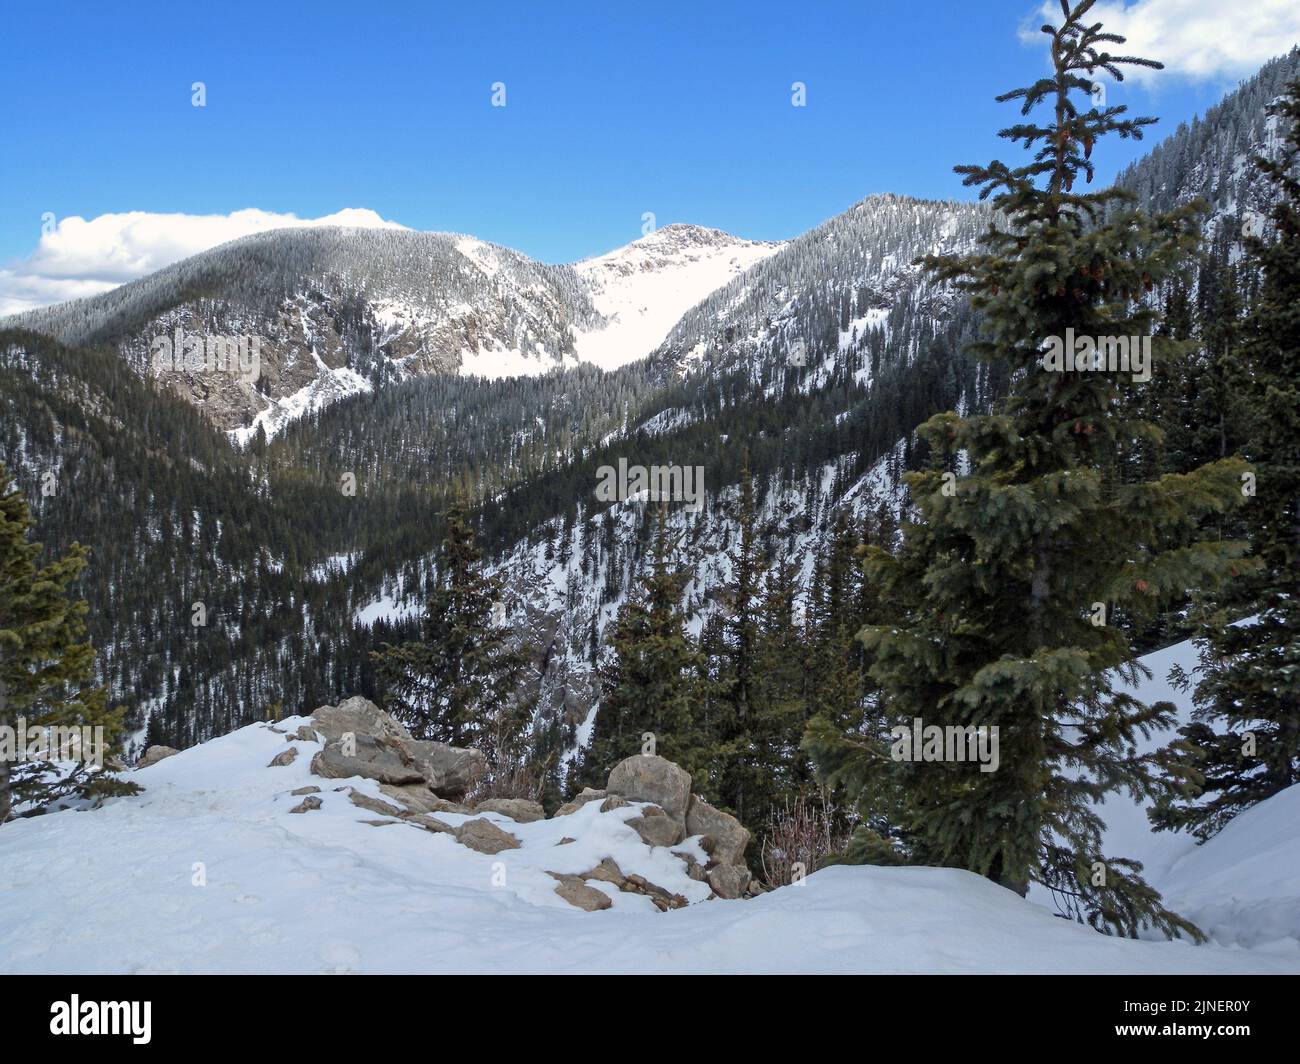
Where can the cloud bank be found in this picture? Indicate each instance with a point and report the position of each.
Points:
(76, 257)
(1200, 40)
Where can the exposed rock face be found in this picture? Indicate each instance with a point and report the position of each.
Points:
(365, 756)
(485, 837)
(449, 771)
(520, 810)
(284, 757)
(727, 836)
(363, 740)
(155, 754)
(645, 778)
(359, 716)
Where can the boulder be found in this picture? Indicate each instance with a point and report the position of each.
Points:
(573, 890)
(306, 790)
(306, 805)
(304, 734)
(663, 899)
(485, 837)
(449, 771)
(359, 716)
(646, 778)
(728, 880)
(372, 758)
(520, 810)
(284, 757)
(613, 802)
(587, 795)
(155, 754)
(726, 837)
(656, 827)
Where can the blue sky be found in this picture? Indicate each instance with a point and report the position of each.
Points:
(613, 109)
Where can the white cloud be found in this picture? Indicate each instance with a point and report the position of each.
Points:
(1198, 39)
(82, 258)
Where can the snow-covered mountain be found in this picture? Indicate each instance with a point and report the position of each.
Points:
(643, 288)
(339, 311)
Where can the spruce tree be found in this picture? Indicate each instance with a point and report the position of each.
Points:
(46, 673)
(1006, 580)
(1245, 744)
(738, 685)
(459, 683)
(650, 682)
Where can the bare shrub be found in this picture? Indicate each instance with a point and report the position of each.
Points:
(803, 833)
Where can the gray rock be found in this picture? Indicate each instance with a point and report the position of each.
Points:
(485, 837)
(305, 790)
(430, 823)
(449, 771)
(613, 802)
(656, 827)
(155, 754)
(728, 880)
(306, 805)
(284, 757)
(373, 805)
(644, 778)
(693, 868)
(359, 716)
(573, 890)
(417, 798)
(726, 836)
(663, 899)
(607, 871)
(304, 734)
(587, 795)
(373, 759)
(520, 810)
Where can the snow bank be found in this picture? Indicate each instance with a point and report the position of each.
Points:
(209, 871)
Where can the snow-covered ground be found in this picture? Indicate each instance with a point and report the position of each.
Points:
(208, 871)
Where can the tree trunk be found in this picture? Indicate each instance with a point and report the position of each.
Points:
(6, 800)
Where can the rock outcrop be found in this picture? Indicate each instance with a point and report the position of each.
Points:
(363, 740)
(155, 754)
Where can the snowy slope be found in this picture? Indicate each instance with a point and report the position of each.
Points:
(114, 890)
(1242, 887)
(642, 289)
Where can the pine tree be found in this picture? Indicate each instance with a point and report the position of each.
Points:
(46, 673)
(1004, 582)
(650, 684)
(1250, 668)
(458, 684)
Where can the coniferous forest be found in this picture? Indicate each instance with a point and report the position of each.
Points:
(909, 514)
